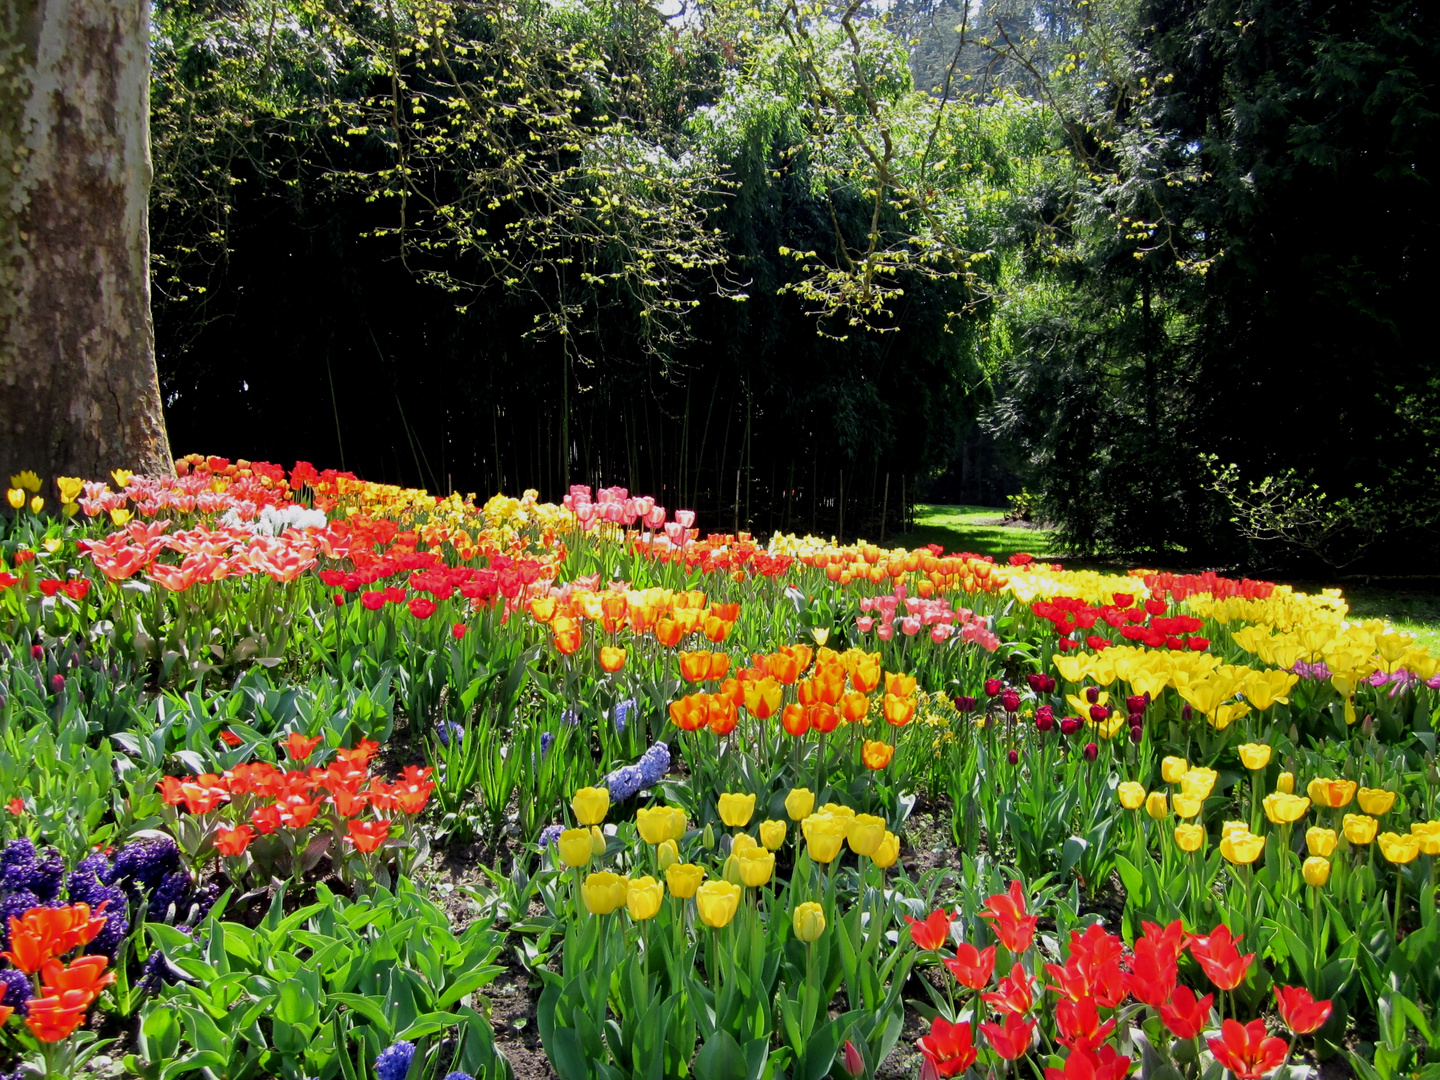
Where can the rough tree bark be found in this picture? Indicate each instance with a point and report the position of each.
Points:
(79, 394)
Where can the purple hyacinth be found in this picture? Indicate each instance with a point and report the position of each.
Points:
(13, 906)
(622, 713)
(654, 764)
(394, 1061)
(15, 990)
(624, 782)
(143, 864)
(550, 834)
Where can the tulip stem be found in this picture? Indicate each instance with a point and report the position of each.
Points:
(1399, 893)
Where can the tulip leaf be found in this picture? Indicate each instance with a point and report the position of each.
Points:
(721, 1059)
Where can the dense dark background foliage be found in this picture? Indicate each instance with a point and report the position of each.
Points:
(1148, 233)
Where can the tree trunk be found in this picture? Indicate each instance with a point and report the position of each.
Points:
(79, 394)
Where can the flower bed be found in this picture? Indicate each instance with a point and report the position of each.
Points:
(785, 809)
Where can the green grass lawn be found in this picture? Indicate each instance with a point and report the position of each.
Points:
(981, 530)
(972, 528)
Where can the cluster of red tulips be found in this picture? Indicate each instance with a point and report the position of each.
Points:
(40, 941)
(1098, 976)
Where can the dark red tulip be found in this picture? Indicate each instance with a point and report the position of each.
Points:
(1070, 725)
(1091, 751)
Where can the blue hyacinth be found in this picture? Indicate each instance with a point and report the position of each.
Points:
(630, 780)
(394, 1061)
(622, 714)
(550, 834)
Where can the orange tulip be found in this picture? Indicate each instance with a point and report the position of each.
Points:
(802, 654)
(668, 632)
(794, 720)
(234, 841)
(689, 619)
(899, 685)
(612, 659)
(721, 714)
(734, 690)
(690, 713)
(876, 755)
(726, 612)
(829, 682)
(717, 629)
(762, 697)
(854, 707)
(865, 672)
(613, 608)
(542, 609)
(694, 666)
(823, 718)
(567, 634)
(367, 835)
(805, 690)
(783, 667)
(899, 711)
(42, 934)
(86, 976)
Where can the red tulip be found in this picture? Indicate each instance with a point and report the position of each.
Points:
(931, 933)
(1219, 958)
(972, 967)
(948, 1048)
(1301, 1012)
(1013, 994)
(1184, 1015)
(1247, 1051)
(1078, 1023)
(1106, 1063)
(1012, 1040)
(1006, 913)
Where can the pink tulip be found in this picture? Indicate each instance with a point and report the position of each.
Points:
(865, 623)
(910, 625)
(655, 517)
(686, 518)
(940, 632)
(886, 631)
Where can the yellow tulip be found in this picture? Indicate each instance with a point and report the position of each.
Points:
(1329, 792)
(1359, 829)
(52, 544)
(591, 804)
(1254, 756)
(1225, 715)
(1189, 837)
(1285, 782)
(1321, 841)
(1316, 870)
(799, 803)
(1399, 847)
(1187, 806)
(667, 854)
(1265, 688)
(824, 835)
(574, 845)
(864, 833)
(716, 902)
(835, 810)
(1132, 795)
(742, 842)
(656, 824)
(37, 504)
(122, 477)
(603, 892)
(642, 898)
(772, 834)
(1375, 801)
(1284, 809)
(756, 865)
(69, 488)
(1173, 769)
(809, 921)
(597, 841)
(1199, 782)
(1241, 848)
(1428, 833)
(27, 480)
(683, 879)
(888, 851)
(120, 516)
(736, 810)
(1157, 805)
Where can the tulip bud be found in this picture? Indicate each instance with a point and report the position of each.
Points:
(1099, 713)
(1010, 700)
(809, 921)
(851, 1061)
(1137, 734)
(1136, 703)
(1070, 725)
(597, 841)
(1092, 751)
(1014, 757)
(1044, 718)
(1157, 805)
(964, 703)
(37, 651)
(707, 838)
(992, 687)
(1186, 713)
(57, 682)
(1136, 720)
(1285, 782)
(1092, 694)
(667, 854)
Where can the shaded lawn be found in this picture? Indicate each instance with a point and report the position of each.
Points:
(1414, 609)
